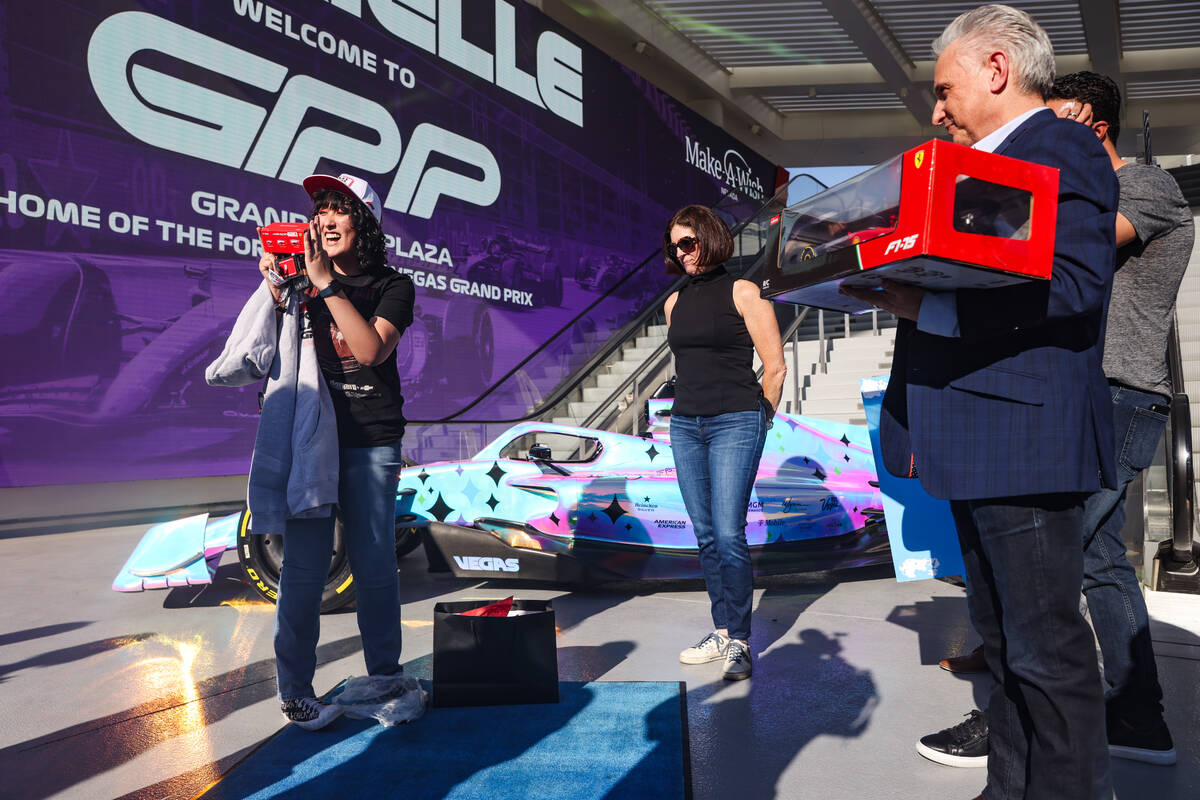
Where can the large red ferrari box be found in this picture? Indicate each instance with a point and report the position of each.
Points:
(940, 215)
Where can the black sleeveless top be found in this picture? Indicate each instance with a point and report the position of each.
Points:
(714, 355)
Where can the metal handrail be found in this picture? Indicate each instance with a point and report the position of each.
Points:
(607, 408)
(615, 341)
(1180, 472)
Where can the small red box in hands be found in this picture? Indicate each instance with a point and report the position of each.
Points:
(284, 240)
(940, 215)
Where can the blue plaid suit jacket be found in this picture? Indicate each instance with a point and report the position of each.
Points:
(1018, 404)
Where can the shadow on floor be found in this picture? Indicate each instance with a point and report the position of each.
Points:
(799, 691)
(43, 631)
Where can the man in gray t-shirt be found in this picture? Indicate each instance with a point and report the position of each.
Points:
(1155, 232)
(1150, 265)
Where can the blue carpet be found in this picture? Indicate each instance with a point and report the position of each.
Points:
(601, 740)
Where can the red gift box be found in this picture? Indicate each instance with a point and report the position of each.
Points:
(940, 215)
(285, 240)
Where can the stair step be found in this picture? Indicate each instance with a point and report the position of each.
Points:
(817, 408)
(638, 354)
(610, 380)
(597, 393)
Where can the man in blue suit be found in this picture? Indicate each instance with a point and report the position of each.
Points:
(998, 402)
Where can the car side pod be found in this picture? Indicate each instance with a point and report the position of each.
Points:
(475, 553)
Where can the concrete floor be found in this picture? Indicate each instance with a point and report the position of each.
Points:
(154, 695)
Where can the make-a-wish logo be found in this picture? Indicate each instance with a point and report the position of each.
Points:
(732, 168)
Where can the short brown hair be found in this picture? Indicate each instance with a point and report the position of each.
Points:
(716, 242)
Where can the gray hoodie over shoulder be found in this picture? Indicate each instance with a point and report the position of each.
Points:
(294, 469)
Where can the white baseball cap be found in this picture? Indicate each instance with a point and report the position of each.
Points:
(347, 185)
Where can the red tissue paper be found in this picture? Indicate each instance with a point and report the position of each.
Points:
(497, 609)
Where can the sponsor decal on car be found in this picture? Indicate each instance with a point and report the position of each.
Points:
(488, 564)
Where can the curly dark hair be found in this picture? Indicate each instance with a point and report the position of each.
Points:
(1099, 90)
(369, 243)
(716, 242)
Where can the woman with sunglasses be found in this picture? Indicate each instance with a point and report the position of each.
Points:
(719, 418)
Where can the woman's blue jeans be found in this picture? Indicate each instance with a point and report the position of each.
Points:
(367, 503)
(716, 461)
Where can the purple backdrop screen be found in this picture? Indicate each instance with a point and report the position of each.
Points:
(522, 173)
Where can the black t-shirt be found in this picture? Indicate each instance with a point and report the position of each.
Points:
(366, 399)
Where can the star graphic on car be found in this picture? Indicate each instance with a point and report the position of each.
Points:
(495, 473)
(652, 452)
(440, 510)
(492, 502)
(614, 510)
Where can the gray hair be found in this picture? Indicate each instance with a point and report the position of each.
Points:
(1014, 32)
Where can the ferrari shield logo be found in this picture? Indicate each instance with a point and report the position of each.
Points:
(919, 159)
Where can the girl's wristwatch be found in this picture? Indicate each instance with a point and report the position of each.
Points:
(330, 290)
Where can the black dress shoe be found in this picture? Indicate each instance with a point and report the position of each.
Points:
(971, 662)
(964, 745)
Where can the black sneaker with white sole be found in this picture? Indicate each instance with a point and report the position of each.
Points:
(964, 745)
(1151, 744)
(738, 665)
(309, 713)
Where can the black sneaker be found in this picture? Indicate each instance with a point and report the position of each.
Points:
(309, 713)
(1151, 745)
(738, 665)
(964, 745)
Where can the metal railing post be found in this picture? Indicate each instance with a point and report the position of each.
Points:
(796, 368)
(633, 431)
(821, 339)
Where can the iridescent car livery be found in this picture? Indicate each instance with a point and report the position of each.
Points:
(616, 514)
(619, 514)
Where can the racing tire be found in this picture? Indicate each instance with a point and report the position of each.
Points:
(261, 557)
(408, 538)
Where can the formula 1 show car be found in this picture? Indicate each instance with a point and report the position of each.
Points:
(566, 504)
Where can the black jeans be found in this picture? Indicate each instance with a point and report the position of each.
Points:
(1024, 566)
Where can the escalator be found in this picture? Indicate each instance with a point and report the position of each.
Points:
(545, 383)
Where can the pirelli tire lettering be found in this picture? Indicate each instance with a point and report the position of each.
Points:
(261, 557)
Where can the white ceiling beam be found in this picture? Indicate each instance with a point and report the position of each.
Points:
(671, 44)
(802, 76)
(1102, 30)
(872, 36)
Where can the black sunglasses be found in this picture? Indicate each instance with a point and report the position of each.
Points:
(687, 245)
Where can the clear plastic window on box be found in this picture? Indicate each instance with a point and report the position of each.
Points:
(856, 210)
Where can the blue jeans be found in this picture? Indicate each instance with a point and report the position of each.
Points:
(716, 461)
(1023, 566)
(367, 503)
(1114, 598)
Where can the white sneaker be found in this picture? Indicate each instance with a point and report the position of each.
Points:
(710, 648)
(309, 713)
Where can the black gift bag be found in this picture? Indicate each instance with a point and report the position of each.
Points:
(494, 661)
